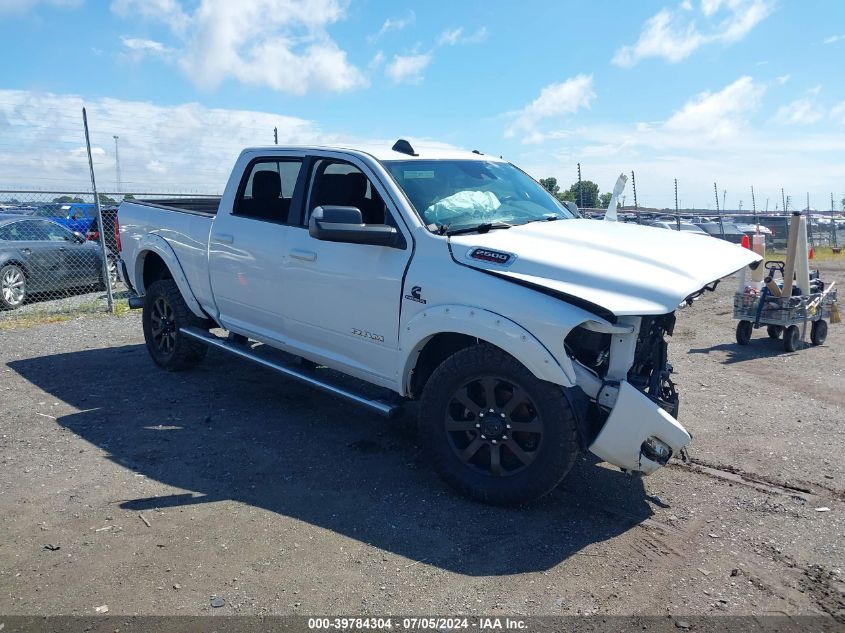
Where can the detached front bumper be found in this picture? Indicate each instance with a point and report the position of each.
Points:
(639, 435)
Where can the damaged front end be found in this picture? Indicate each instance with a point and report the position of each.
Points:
(624, 368)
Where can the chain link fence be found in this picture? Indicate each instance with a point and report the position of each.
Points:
(824, 229)
(56, 259)
(55, 265)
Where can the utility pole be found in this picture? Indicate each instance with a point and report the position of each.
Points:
(276, 135)
(719, 211)
(832, 223)
(724, 194)
(754, 208)
(580, 197)
(677, 216)
(117, 183)
(809, 222)
(783, 199)
(636, 206)
(100, 225)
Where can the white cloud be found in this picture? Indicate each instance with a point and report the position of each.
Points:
(407, 68)
(281, 44)
(451, 37)
(140, 46)
(24, 6)
(167, 11)
(555, 100)
(798, 112)
(713, 137)
(410, 68)
(673, 34)
(837, 113)
(718, 114)
(393, 24)
(183, 147)
(833, 39)
(783, 79)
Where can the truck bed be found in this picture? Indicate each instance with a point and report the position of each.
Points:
(184, 224)
(204, 205)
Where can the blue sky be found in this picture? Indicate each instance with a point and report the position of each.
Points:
(741, 92)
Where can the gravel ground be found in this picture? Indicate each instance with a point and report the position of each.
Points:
(154, 493)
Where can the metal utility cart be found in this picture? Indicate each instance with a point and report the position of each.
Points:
(787, 316)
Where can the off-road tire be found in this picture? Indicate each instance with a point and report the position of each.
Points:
(791, 338)
(179, 353)
(774, 331)
(743, 332)
(555, 452)
(12, 299)
(818, 332)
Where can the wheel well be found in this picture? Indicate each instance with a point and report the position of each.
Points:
(154, 269)
(14, 262)
(438, 348)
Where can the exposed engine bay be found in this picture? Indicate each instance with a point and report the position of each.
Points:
(650, 372)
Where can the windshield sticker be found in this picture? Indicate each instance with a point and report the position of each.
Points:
(494, 257)
(418, 174)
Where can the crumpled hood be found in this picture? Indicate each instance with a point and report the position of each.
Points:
(626, 269)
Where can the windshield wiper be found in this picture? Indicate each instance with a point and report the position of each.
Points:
(547, 218)
(479, 228)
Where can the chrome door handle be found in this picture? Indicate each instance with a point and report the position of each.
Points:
(26, 251)
(306, 256)
(224, 238)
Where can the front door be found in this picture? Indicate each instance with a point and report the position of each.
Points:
(344, 299)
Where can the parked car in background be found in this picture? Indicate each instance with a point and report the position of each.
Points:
(751, 229)
(17, 209)
(730, 231)
(685, 226)
(39, 256)
(112, 228)
(74, 216)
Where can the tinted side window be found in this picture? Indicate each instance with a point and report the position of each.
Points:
(5, 233)
(268, 190)
(54, 232)
(26, 231)
(337, 183)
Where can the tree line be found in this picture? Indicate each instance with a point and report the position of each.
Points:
(589, 197)
(104, 199)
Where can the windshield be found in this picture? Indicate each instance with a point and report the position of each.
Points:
(467, 193)
(50, 211)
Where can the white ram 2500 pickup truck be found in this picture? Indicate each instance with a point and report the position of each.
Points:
(528, 334)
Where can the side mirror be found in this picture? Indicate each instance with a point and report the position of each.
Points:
(79, 237)
(344, 224)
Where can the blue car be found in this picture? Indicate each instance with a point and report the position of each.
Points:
(75, 216)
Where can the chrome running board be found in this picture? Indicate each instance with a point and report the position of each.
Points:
(379, 406)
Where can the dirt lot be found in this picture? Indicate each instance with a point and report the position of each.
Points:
(152, 493)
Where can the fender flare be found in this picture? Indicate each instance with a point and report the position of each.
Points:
(152, 243)
(488, 326)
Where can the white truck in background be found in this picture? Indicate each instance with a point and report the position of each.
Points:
(527, 333)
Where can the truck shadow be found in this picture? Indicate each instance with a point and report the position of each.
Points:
(232, 431)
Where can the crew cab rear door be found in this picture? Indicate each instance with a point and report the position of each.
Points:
(343, 299)
(248, 243)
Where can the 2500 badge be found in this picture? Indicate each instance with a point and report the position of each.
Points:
(494, 257)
